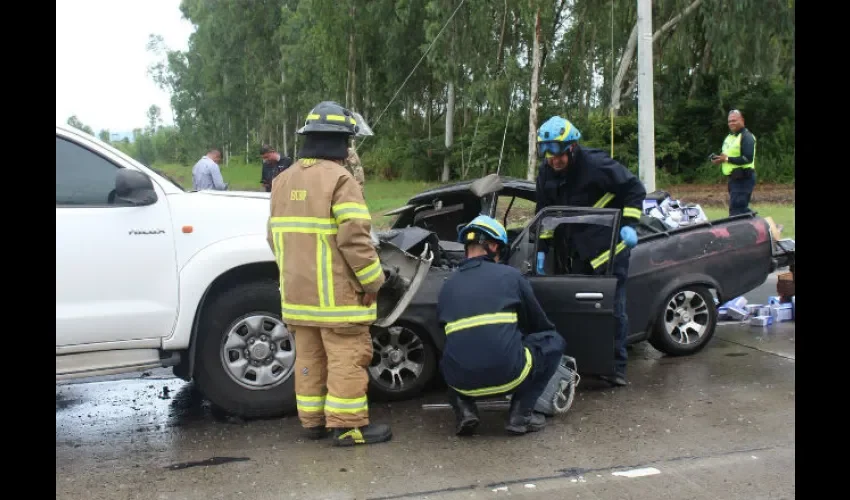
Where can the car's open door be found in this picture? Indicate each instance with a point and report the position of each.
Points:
(580, 304)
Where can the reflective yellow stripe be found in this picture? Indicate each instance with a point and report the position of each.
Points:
(354, 434)
(324, 271)
(309, 225)
(563, 136)
(603, 257)
(350, 210)
(631, 212)
(346, 405)
(604, 201)
(277, 238)
(313, 116)
(336, 314)
(309, 161)
(310, 404)
(488, 226)
(481, 320)
(547, 234)
(369, 273)
(490, 391)
(339, 118)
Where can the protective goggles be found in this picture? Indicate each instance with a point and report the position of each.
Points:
(552, 148)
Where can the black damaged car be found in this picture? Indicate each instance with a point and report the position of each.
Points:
(674, 278)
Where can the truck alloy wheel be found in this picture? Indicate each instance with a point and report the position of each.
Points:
(403, 362)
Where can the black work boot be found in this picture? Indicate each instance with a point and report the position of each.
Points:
(537, 421)
(466, 414)
(368, 434)
(521, 421)
(319, 432)
(615, 380)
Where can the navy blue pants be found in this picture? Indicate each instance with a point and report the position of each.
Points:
(547, 349)
(621, 272)
(740, 192)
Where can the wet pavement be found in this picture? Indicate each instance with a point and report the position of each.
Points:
(719, 424)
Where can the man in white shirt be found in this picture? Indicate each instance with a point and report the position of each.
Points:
(206, 174)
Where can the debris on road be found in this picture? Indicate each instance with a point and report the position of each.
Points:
(776, 310)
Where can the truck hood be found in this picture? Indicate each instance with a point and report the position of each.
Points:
(235, 194)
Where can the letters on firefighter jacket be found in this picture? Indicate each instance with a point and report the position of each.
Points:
(319, 230)
(485, 308)
(592, 179)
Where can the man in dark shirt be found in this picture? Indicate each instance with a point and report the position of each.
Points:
(498, 338)
(572, 175)
(738, 162)
(273, 164)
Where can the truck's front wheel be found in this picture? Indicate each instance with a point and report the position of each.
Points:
(245, 354)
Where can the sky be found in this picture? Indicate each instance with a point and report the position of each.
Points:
(102, 60)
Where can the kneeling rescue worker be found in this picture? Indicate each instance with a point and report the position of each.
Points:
(330, 275)
(498, 339)
(585, 177)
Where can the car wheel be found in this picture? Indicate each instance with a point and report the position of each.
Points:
(403, 362)
(686, 322)
(245, 354)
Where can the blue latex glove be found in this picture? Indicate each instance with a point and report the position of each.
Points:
(629, 236)
(540, 260)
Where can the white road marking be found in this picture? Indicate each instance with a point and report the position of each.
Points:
(646, 471)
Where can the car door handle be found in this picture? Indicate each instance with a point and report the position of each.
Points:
(588, 296)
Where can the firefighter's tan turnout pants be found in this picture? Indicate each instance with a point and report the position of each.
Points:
(330, 375)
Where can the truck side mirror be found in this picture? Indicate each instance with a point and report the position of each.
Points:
(133, 188)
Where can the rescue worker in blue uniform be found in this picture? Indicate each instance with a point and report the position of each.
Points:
(584, 177)
(498, 339)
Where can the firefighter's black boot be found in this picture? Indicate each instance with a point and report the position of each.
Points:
(319, 432)
(521, 421)
(466, 414)
(368, 434)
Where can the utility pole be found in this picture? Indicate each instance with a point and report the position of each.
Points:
(646, 114)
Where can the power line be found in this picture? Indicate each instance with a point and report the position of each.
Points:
(414, 68)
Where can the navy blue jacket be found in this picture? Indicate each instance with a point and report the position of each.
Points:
(480, 355)
(590, 176)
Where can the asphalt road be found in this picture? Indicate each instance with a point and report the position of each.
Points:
(716, 425)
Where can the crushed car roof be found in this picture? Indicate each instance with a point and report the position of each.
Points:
(462, 187)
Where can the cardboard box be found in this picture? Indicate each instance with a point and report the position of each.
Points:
(761, 321)
(739, 302)
(775, 232)
(781, 312)
(753, 309)
(738, 314)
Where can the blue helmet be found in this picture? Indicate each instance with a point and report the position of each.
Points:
(483, 226)
(555, 136)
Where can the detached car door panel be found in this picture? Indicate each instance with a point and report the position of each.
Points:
(580, 305)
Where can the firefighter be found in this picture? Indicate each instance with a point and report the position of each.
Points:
(498, 339)
(330, 275)
(585, 177)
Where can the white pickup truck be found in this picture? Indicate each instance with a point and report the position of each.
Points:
(149, 275)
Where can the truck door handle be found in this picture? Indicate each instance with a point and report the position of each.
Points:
(588, 296)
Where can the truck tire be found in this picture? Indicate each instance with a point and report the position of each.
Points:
(245, 357)
(686, 321)
(403, 362)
